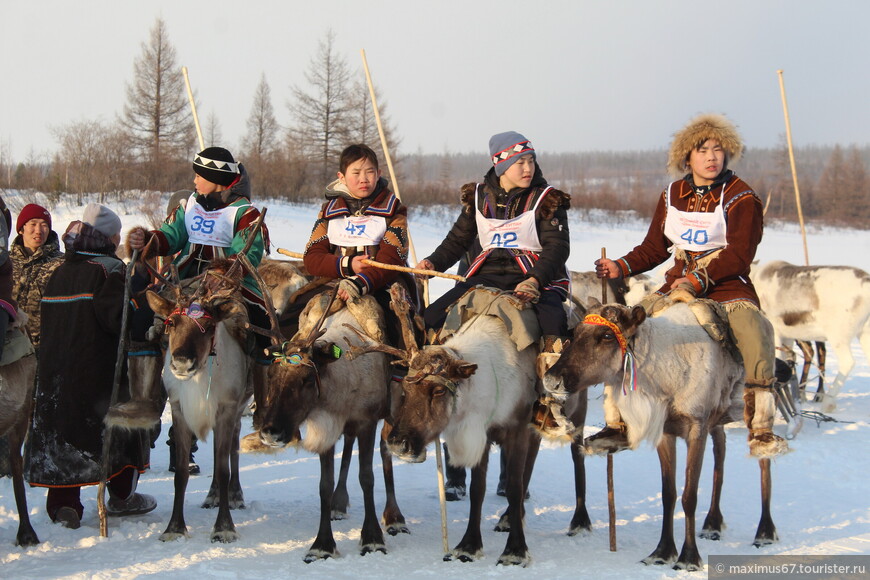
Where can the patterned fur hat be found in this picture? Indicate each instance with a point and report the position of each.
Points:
(695, 133)
(217, 165)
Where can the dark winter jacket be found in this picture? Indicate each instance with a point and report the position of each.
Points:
(7, 303)
(721, 275)
(547, 266)
(326, 260)
(80, 331)
(31, 273)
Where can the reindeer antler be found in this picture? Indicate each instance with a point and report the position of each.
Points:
(316, 332)
(275, 332)
(355, 351)
(400, 303)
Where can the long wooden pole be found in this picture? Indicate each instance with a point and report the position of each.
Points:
(611, 496)
(439, 462)
(193, 108)
(797, 191)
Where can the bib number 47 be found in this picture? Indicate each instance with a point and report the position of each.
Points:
(696, 237)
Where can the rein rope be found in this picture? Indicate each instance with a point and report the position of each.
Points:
(629, 363)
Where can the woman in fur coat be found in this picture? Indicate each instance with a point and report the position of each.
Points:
(82, 307)
(712, 222)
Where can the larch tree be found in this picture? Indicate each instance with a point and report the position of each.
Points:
(363, 126)
(261, 138)
(157, 116)
(321, 114)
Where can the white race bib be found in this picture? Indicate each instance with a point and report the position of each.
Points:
(210, 228)
(519, 233)
(356, 231)
(694, 231)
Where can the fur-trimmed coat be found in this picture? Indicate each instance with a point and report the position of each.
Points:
(721, 275)
(326, 260)
(81, 323)
(30, 274)
(551, 217)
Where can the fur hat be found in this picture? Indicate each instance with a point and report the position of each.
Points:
(506, 148)
(102, 219)
(217, 165)
(31, 211)
(695, 133)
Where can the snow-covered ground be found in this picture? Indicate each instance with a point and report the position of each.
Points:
(820, 501)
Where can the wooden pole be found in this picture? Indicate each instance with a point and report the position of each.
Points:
(193, 108)
(611, 497)
(439, 462)
(797, 191)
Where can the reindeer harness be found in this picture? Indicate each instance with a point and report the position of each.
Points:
(629, 364)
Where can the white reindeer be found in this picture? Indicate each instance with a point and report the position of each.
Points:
(817, 303)
(207, 393)
(687, 385)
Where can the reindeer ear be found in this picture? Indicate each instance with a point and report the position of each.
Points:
(592, 302)
(465, 369)
(159, 304)
(635, 318)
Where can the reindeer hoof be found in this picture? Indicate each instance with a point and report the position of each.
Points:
(315, 555)
(225, 537)
(714, 535)
(523, 560)
(398, 528)
(336, 515)
(688, 566)
(172, 536)
(372, 548)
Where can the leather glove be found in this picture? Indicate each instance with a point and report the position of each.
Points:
(529, 287)
(350, 288)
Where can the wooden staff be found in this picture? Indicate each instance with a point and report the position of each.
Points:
(797, 191)
(193, 108)
(438, 460)
(383, 266)
(116, 386)
(611, 498)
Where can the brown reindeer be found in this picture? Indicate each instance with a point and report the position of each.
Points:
(672, 399)
(312, 385)
(207, 393)
(17, 381)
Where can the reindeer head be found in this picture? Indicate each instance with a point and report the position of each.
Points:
(429, 394)
(597, 350)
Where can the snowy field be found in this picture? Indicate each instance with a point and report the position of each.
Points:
(821, 503)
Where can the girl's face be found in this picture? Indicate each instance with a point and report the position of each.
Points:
(519, 174)
(360, 177)
(707, 162)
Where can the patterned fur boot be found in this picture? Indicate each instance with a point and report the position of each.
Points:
(143, 410)
(759, 412)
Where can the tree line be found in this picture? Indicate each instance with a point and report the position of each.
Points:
(147, 148)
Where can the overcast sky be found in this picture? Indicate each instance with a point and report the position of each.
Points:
(570, 75)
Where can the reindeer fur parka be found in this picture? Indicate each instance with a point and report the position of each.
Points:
(81, 323)
(329, 261)
(721, 275)
(547, 266)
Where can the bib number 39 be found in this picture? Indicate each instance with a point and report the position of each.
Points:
(697, 237)
(201, 224)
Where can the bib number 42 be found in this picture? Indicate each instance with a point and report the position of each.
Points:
(506, 240)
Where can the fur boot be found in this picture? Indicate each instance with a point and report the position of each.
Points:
(548, 418)
(759, 412)
(614, 436)
(143, 410)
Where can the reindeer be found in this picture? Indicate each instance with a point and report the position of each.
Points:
(207, 393)
(476, 388)
(313, 384)
(17, 382)
(817, 303)
(687, 385)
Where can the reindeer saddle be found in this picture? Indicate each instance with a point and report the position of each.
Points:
(366, 310)
(519, 320)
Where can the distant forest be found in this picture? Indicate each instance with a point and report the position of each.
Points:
(148, 148)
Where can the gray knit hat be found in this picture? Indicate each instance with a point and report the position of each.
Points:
(102, 219)
(506, 148)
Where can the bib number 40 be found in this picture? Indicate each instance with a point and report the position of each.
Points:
(697, 237)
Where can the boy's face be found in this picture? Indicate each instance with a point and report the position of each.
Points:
(706, 162)
(360, 177)
(519, 174)
(203, 186)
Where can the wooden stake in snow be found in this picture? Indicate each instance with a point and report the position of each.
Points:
(797, 191)
(611, 498)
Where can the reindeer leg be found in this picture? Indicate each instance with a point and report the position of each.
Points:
(224, 429)
(822, 351)
(470, 547)
(236, 495)
(580, 523)
(517, 447)
(176, 527)
(690, 558)
(324, 544)
(504, 522)
(371, 536)
(392, 517)
(666, 551)
(26, 534)
(340, 499)
(714, 523)
(766, 533)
